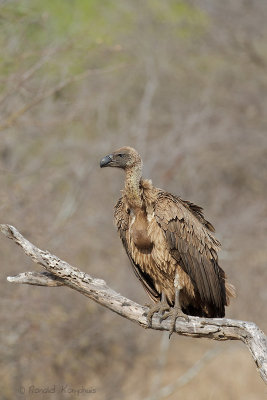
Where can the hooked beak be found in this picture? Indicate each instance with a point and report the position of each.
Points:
(106, 161)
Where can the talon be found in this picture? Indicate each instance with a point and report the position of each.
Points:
(159, 308)
(165, 316)
(175, 313)
(171, 331)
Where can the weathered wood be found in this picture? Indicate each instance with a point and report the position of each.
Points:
(60, 273)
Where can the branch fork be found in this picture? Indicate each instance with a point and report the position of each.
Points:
(60, 273)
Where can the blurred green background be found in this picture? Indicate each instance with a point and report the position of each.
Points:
(185, 83)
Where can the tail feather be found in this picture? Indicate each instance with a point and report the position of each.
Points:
(194, 306)
(230, 292)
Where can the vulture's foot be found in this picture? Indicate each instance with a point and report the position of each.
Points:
(174, 313)
(160, 308)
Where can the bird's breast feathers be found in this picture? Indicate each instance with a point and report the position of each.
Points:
(139, 231)
(147, 238)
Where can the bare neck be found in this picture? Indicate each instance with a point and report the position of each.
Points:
(132, 186)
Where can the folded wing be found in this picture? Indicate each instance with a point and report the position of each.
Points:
(193, 246)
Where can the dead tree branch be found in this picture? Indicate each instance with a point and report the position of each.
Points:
(60, 273)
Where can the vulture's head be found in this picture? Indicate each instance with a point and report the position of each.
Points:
(125, 158)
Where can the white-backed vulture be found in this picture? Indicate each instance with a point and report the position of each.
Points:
(170, 244)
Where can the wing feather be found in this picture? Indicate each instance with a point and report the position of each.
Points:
(193, 247)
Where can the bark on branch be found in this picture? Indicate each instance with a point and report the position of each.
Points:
(59, 273)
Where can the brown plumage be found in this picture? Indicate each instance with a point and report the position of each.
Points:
(169, 243)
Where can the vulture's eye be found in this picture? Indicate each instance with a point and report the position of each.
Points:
(120, 155)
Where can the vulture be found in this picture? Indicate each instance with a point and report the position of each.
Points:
(170, 244)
